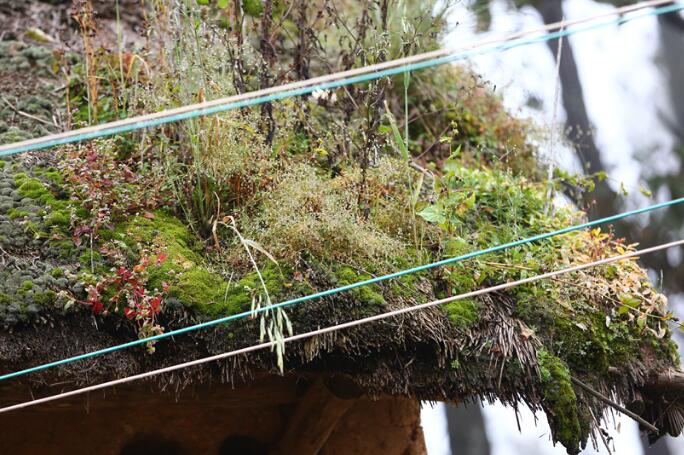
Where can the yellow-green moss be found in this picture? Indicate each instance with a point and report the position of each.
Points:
(57, 272)
(200, 289)
(463, 313)
(14, 213)
(190, 279)
(560, 402)
(45, 298)
(370, 295)
(32, 188)
(238, 296)
(58, 218)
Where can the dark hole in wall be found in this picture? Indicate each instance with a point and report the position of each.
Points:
(242, 445)
(152, 444)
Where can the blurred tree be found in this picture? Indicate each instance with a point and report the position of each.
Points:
(662, 226)
(467, 433)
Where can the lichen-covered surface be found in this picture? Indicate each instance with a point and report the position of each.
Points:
(131, 236)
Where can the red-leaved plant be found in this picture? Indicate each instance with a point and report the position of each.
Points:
(132, 296)
(109, 189)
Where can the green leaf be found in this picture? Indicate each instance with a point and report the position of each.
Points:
(222, 3)
(401, 145)
(630, 301)
(641, 321)
(433, 214)
(455, 153)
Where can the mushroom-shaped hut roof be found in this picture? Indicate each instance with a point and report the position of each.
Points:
(115, 239)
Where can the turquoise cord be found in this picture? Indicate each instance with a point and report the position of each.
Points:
(342, 82)
(343, 288)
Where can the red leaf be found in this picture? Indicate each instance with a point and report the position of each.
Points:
(97, 307)
(161, 257)
(155, 303)
(148, 215)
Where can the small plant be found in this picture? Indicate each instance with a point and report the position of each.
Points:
(106, 187)
(127, 291)
(273, 322)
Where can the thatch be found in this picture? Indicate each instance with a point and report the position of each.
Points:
(329, 221)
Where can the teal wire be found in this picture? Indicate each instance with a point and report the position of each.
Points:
(348, 287)
(342, 82)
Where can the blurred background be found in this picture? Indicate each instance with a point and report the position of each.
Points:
(616, 104)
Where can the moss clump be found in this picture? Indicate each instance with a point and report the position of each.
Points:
(32, 188)
(463, 314)
(64, 249)
(57, 272)
(370, 295)
(199, 288)
(14, 213)
(58, 218)
(91, 259)
(561, 404)
(46, 298)
(238, 296)
(189, 278)
(53, 176)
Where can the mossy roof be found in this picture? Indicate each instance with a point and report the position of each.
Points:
(606, 326)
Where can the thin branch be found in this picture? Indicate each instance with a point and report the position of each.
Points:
(25, 114)
(614, 405)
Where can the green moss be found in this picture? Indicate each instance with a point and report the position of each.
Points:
(202, 290)
(32, 188)
(162, 229)
(370, 295)
(34, 229)
(91, 258)
(14, 213)
(2, 164)
(463, 314)
(46, 298)
(58, 218)
(27, 285)
(189, 279)
(581, 343)
(65, 248)
(57, 272)
(565, 419)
